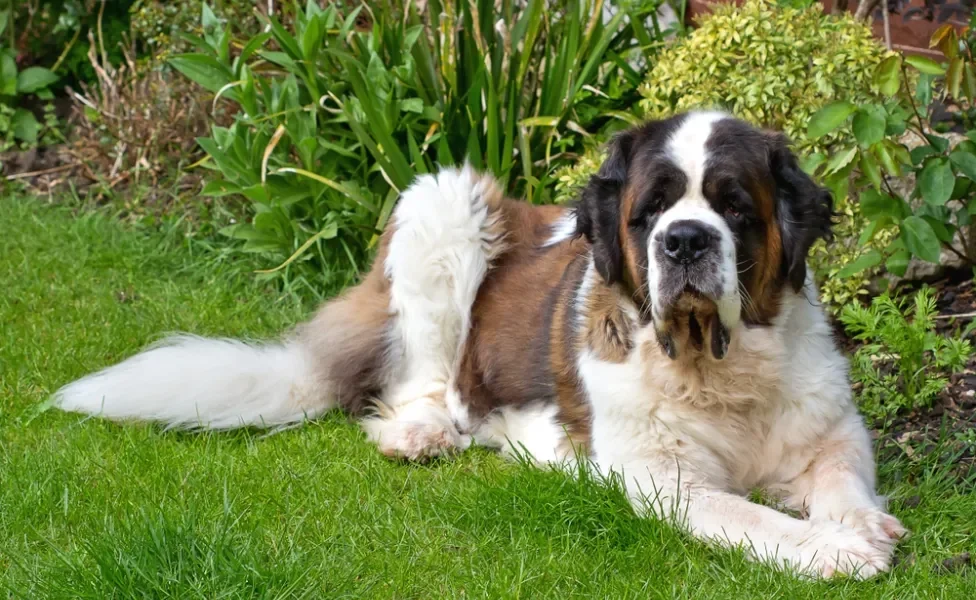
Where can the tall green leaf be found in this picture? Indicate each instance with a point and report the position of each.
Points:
(33, 79)
(829, 118)
(935, 181)
(920, 239)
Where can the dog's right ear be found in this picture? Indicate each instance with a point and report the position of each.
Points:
(598, 212)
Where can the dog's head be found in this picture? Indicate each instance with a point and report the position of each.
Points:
(706, 221)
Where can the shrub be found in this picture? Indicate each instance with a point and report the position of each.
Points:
(159, 27)
(570, 179)
(935, 212)
(18, 124)
(774, 66)
(335, 121)
(901, 365)
(53, 32)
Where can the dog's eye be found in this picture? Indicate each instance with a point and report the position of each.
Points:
(734, 205)
(650, 211)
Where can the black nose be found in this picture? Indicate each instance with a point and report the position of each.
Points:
(686, 241)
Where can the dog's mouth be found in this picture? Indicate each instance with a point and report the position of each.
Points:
(692, 325)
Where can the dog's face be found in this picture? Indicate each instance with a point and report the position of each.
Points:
(705, 220)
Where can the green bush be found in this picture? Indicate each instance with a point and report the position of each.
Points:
(774, 66)
(334, 122)
(19, 126)
(159, 26)
(935, 213)
(54, 33)
(901, 364)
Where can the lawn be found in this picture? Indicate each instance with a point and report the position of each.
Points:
(96, 510)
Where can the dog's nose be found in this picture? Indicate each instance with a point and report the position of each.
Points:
(686, 241)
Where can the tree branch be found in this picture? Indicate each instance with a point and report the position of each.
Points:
(887, 27)
(865, 8)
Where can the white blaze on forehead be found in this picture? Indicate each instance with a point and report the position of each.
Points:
(686, 148)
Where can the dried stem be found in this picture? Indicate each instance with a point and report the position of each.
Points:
(865, 8)
(887, 27)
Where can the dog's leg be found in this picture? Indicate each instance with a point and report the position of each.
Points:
(448, 229)
(839, 485)
(818, 548)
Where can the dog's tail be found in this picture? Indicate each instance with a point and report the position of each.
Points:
(194, 382)
(340, 358)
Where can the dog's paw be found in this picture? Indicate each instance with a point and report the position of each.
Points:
(875, 525)
(418, 432)
(419, 441)
(836, 548)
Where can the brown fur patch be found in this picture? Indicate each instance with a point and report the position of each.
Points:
(765, 284)
(564, 347)
(357, 323)
(632, 263)
(520, 349)
(688, 332)
(608, 331)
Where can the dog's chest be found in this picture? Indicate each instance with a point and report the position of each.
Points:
(714, 417)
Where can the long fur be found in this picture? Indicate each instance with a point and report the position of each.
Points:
(193, 382)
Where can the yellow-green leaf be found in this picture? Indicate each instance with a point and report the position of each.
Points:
(954, 76)
(925, 65)
(888, 75)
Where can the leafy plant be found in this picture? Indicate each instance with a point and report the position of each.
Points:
(54, 33)
(334, 122)
(17, 123)
(935, 213)
(903, 363)
(570, 179)
(726, 63)
(158, 25)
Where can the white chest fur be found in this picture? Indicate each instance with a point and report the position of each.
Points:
(750, 419)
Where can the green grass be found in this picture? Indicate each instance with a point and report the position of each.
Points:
(96, 510)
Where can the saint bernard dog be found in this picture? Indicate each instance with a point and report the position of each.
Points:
(666, 328)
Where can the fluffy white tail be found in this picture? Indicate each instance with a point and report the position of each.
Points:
(194, 382)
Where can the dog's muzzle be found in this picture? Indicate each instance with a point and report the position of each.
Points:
(688, 253)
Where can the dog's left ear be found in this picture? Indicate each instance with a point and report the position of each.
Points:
(803, 208)
(598, 212)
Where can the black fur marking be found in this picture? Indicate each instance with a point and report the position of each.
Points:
(598, 213)
(631, 153)
(804, 209)
(720, 339)
(695, 335)
(667, 343)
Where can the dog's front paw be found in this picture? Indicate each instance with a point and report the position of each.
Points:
(834, 547)
(417, 432)
(875, 525)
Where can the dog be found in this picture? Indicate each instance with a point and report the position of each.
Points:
(666, 328)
